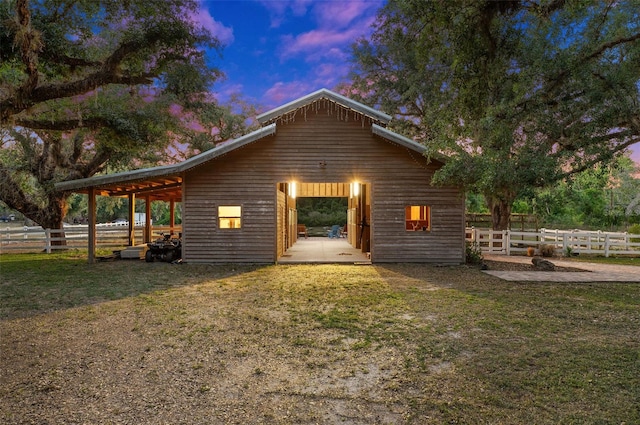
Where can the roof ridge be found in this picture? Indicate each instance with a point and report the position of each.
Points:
(323, 93)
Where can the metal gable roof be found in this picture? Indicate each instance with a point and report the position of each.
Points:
(166, 180)
(323, 94)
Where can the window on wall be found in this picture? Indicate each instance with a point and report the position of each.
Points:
(229, 217)
(417, 218)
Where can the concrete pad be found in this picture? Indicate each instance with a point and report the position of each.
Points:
(593, 272)
(323, 250)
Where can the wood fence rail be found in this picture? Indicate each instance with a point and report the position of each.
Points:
(509, 242)
(37, 239)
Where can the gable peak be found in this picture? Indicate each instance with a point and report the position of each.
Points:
(344, 103)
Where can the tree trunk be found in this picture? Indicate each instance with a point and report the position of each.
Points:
(48, 215)
(500, 206)
(51, 217)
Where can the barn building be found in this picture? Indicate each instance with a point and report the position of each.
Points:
(239, 199)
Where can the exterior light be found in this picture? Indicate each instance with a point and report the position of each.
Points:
(292, 189)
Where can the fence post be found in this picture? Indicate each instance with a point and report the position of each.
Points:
(565, 242)
(606, 245)
(507, 240)
(47, 240)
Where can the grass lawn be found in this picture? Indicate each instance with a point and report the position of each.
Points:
(143, 343)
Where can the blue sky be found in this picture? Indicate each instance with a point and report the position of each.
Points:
(278, 50)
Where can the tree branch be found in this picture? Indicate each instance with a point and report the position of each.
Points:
(30, 94)
(28, 40)
(67, 125)
(12, 194)
(90, 168)
(597, 159)
(608, 45)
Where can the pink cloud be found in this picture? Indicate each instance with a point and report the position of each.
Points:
(222, 33)
(338, 25)
(340, 14)
(331, 70)
(281, 93)
(317, 41)
(278, 9)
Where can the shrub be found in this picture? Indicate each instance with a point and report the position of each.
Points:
(634, 230)
(568, 252)
(547, 250)
(473, 253)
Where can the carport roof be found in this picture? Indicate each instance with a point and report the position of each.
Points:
(162, 182)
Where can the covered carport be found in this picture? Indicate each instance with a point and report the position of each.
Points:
(134, 185)
(161, 183)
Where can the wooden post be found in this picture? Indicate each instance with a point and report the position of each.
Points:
(47, 241)
(92, 225)
(172, 215)
(132, 219)
(147, 219)
(507, 241)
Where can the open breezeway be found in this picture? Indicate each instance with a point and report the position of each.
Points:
(323, 250)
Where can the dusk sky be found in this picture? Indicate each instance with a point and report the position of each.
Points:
(278, 50)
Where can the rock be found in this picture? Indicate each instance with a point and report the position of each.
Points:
(542, 264)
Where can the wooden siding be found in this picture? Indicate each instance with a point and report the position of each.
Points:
(320, 147)
(281, 228)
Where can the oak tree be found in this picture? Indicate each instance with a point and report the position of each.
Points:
(88, 86)
(519, 94)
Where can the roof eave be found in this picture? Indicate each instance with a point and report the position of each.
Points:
(125, 176)
(404, 141)
(226, 148)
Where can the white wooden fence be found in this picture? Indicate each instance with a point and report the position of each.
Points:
(37, 239)
(506, 242)
(509, 242)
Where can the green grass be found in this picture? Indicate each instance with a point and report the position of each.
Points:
(43, 282)
(450, 344)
